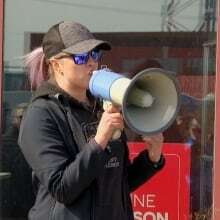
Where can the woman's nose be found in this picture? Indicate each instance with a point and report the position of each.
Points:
(92, 62)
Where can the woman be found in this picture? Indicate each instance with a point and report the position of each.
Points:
(79, 173)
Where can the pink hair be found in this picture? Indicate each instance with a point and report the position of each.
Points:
(36, 66)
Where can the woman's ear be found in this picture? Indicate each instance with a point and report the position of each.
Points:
(57, 66)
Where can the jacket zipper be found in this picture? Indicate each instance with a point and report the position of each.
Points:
(92, 213)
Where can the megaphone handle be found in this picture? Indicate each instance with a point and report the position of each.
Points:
(117, 133)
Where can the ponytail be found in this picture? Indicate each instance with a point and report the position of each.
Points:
(36, 66)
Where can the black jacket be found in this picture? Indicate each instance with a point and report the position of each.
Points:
(73, 177)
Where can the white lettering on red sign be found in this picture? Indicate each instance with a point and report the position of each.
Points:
(151, 216)
(144, 200)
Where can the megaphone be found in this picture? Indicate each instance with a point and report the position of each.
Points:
(149, 101)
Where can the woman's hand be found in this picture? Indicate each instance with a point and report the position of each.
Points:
(155, 143)
(110, 121)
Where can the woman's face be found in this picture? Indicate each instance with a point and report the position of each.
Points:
(74, 76)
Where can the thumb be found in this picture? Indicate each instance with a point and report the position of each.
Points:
(110, 108)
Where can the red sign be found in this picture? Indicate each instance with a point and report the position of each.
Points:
(166, 196)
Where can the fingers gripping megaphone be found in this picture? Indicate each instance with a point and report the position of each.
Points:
(149, 101)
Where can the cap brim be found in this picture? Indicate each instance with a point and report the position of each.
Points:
(87, 45)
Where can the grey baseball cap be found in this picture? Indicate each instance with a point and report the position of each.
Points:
(70, 37)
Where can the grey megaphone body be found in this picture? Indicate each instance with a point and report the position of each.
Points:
(150, 100)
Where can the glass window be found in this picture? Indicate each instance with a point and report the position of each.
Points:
(175, 35)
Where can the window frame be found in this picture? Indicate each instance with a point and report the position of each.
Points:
(216, 161)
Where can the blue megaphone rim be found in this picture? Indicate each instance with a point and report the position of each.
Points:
(170, 75)
(107, 78)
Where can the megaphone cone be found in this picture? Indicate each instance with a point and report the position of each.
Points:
(150, 101)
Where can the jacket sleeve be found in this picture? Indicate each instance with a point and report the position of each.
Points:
(141, 169)
(64, 175)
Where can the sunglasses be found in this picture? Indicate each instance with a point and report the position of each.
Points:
(80, 59)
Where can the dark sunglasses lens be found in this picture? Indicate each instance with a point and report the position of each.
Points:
(81, 59)
(96, 55)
